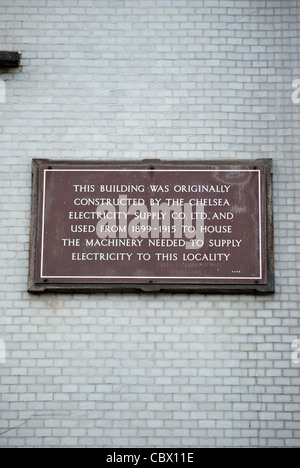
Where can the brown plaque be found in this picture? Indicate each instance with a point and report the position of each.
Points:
(152, 226)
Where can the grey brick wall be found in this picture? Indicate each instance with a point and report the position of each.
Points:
(170, 79)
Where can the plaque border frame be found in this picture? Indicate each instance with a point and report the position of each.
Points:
(173, 288)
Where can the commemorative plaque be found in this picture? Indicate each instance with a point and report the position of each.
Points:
(152, 226)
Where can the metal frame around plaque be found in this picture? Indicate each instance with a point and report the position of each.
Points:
(38, 285)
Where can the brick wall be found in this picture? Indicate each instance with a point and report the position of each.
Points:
(169, 79)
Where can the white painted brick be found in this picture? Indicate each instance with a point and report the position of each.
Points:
(166, 79)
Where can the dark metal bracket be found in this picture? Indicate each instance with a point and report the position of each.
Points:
(10, 59)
